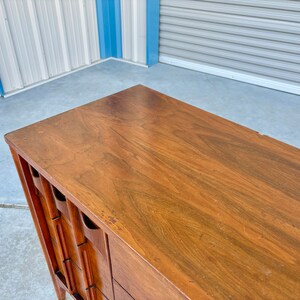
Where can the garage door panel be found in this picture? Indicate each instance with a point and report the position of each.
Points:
(257, 38)
(235, 20)
(230, 47)
(226, 7)
(275, 4)
(263, 34)
(246, 68)
(168, 29)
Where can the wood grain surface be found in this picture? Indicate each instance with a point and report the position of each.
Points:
(213, 206)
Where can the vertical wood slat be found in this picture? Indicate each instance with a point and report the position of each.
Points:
(98, 239)
(81, 248)
(64, 254)
(47, 192)
(59, 234)
(76, 224)
(38, 219)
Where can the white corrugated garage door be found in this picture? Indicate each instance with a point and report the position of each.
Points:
(249, 40)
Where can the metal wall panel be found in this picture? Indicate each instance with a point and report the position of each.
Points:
(9, 68)
(75, 22)
(43, 39)
(92, 28)
(248, 40)
(54, 36)
(23, 23)
(133, 17)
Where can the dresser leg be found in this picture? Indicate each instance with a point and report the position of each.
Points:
(38, 219)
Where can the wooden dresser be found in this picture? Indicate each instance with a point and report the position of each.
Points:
(141, 196)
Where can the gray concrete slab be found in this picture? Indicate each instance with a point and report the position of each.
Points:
(270, 112)
(23, 270)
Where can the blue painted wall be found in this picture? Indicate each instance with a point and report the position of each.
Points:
(152, 31)
(109, 28)
(1, 89)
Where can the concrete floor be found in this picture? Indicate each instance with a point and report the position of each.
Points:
(23, 272)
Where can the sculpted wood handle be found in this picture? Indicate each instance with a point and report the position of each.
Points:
(58, 195)
(94, 233)
(88, 223)
(61, 201)
(35, 178)
(34, 172)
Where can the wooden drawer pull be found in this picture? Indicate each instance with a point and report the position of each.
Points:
(61, 280)
(34, 172)
(88, 222)
(36, 178)
(61, 201)
(77, 296)
(93, 233)
(58, 195)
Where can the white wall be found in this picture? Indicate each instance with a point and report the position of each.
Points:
(133, 18)
(43, 39)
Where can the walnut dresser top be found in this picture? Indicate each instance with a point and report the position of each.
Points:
(211, 205)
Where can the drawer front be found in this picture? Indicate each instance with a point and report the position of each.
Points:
(100, 270)
(139, 279)
(80, 288)
(120, 293)
(95, 294)
(69, 240)
(93, 253)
